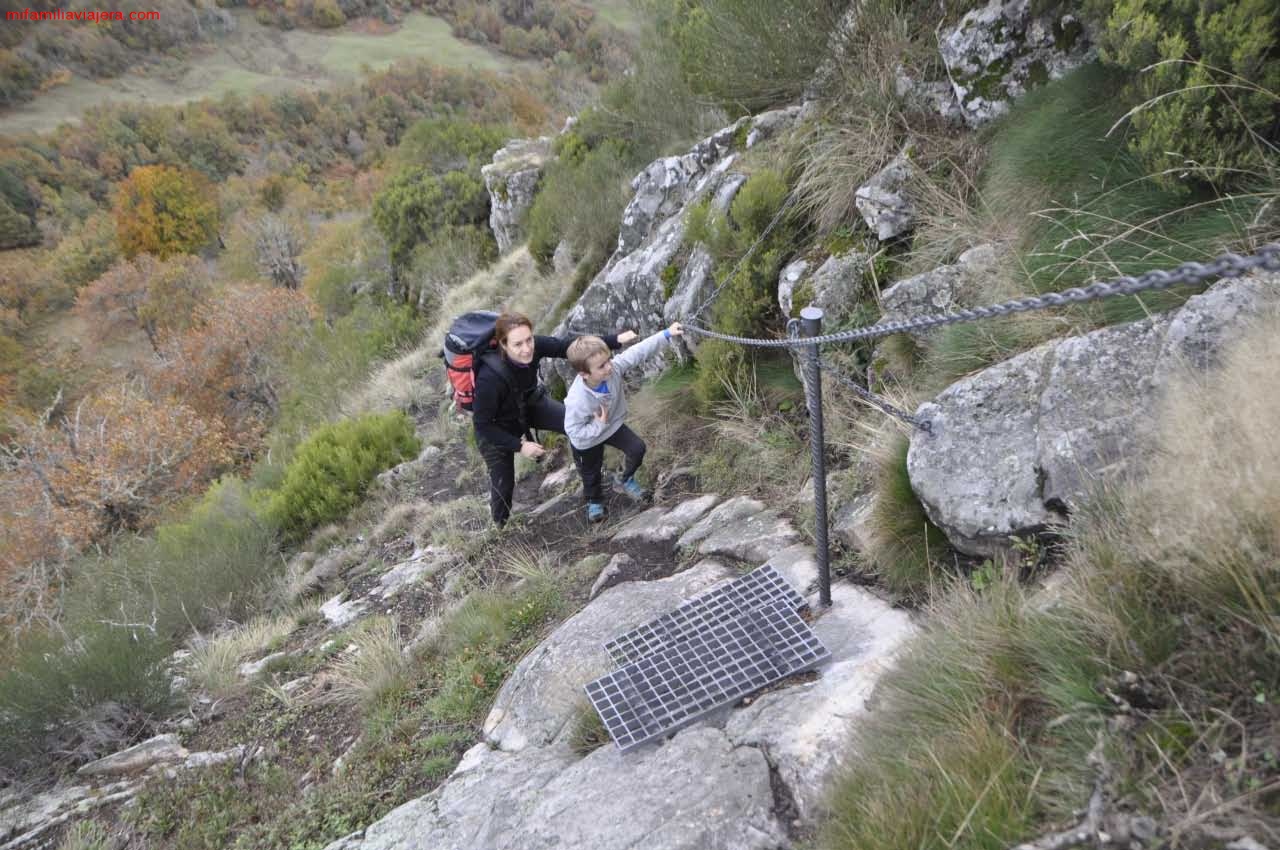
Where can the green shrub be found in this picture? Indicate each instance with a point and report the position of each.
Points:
(758, 201)
(333, 467)
(73, 701)
(581, 200)
(1211, 96)
(739, 53)
(328, 14)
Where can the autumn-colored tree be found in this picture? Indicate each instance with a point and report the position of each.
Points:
(165, 211)
(110, 465)
(157, 297)
(229, 365)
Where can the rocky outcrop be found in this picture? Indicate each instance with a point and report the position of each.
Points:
(744, 776)
(512, 181)
(1014, 448)
(835, 286)
(634, 289)
(999, 51)
(883, 201)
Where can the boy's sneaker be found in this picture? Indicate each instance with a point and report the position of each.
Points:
(633, 489)
(595, 512)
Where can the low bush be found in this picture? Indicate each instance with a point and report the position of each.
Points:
(65, 703)
(581, 199)
(1209, 78)
(333, 467)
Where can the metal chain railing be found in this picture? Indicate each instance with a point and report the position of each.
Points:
(777, 217)
(1225, 266)
(879, 402)
(805, 333)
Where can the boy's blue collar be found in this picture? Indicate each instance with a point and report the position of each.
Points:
(603, 388)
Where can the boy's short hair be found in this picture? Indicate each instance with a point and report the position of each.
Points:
(582, 349)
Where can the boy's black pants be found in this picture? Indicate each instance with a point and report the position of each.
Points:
(590, 461)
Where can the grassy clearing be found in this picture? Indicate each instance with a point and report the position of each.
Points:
(259, 59)
(990, 730)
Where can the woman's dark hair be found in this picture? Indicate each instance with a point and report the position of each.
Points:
(507, 322)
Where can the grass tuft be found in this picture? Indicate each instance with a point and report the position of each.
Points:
(376, 671)
(905, 548)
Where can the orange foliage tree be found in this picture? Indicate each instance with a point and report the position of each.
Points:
(165, 211)
(110, 465)
(158, 297)
(229, 365)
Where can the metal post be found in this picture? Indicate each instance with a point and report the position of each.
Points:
(811, 325)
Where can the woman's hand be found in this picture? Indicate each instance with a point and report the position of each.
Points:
(602, 415)
(676, 329)
(533, 451)
(626, 337)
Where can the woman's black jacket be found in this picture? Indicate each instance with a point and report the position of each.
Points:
(503, 390)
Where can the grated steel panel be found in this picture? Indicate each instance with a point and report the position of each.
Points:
(758, 587)
(717, 662)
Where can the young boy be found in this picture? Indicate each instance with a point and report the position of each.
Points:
(595, 408)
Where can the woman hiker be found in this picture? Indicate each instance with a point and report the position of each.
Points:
(509, 401)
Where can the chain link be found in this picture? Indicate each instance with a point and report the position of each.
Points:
(1225, 266)
(883, 404)
(782, 210)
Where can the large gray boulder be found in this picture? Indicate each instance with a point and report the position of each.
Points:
(1013, 449)
(545, 692)
(999, 51)
(512, 181)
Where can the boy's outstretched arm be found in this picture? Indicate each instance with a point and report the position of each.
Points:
(646, 348)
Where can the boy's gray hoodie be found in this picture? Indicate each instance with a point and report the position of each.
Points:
(582, 402)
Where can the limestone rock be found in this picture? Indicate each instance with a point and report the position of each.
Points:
(740, 528)
(852, 523)
(1014, 447)
(660, 525)
(249, 669)
(693, 287)
(512, 181)
(883, 201)
(540, 698)
(621, 567)
(339, 611)
(421, 564)
(162, 749)
(804, 729)
(835, 286)
(999, 51)
(696, 792)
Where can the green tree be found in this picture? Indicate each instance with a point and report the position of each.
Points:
(417, 206)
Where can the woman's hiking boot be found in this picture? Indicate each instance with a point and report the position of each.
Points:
(595, 512)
